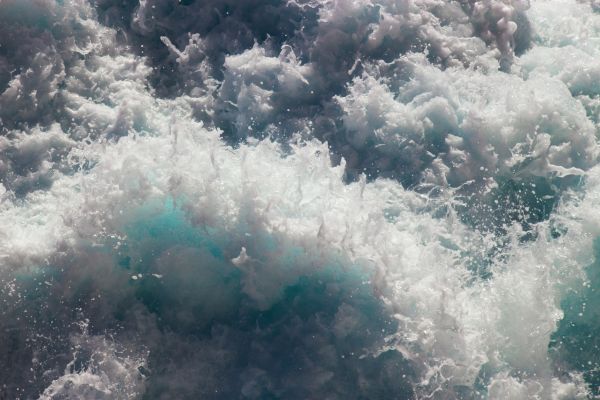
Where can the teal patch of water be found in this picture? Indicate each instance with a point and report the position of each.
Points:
(166, 225)
(28, 13)
(577, 339)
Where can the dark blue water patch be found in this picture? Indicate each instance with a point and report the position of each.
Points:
(34, 326)
(526, 201)
(316, 342)
(576, 343)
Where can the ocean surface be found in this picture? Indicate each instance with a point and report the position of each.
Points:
(299, 199)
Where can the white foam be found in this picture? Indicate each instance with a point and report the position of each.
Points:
(131, 153)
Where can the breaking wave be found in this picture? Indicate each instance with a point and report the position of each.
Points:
(301, 199)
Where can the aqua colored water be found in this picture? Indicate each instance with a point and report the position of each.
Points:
(303, 199)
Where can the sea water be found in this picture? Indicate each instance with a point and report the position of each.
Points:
(301, 199)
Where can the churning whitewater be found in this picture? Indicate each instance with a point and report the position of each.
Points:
(299, 199)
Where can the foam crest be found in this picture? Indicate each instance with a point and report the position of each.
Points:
(299, 199)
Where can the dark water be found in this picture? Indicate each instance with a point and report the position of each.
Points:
(302, 199)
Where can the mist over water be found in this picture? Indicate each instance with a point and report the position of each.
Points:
(301, 199)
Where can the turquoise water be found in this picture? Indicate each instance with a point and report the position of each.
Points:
(268, 199)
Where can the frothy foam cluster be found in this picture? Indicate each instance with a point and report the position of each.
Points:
(352, 199)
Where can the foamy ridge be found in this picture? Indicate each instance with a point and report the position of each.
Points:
(359, 200)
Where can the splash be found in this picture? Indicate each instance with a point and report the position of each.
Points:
(298, 199)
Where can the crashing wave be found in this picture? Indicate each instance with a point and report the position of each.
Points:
(298, 199)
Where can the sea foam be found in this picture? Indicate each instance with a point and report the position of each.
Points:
(351, 199)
